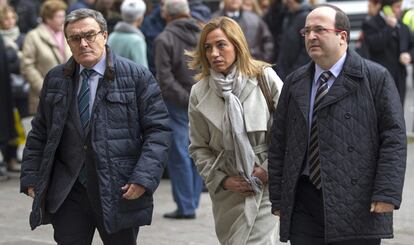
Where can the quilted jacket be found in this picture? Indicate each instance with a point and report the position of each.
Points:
(362, 143)
(129, 127)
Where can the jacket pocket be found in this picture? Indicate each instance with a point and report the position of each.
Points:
(121, 97)
(142, 202)
(122, 169)
(120, 109)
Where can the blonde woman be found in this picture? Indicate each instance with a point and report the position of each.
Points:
(229, 121)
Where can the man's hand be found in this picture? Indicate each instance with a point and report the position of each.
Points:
(238, 184)
(381, 207)
(260, 173)
(132, 191)
(31, 192)
(276, 213)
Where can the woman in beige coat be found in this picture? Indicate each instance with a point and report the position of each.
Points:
(229, 121)
(44, 48)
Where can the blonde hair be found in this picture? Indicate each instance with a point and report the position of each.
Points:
(4, 10)
(244, 61)
(255, 7)
(50, 7)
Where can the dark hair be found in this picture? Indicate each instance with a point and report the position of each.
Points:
(84, 13)
(389, 2)
(341, 19)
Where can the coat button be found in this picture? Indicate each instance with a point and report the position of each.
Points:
(351, 148)
(354, 181)
(347, 115)
(85, 147)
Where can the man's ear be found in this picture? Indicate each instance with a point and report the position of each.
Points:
(344, 37)
(105, 35)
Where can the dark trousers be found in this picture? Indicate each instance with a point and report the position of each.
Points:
(9, 152)
(76, 220)
(307, 225)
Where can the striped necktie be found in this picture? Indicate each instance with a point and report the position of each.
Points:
(83, 98)
(314, 161)
(83, 106)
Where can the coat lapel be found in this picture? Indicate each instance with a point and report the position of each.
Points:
(342, 86)
(212, 108)
(248, 88)
(347, 81)
(301, 90)
(47, 38)
(74, 112)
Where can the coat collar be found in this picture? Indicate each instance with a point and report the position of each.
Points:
(347, 81)
(72, 66)
(212, 106)
(46, 36)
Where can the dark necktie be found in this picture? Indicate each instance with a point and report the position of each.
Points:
(314, 161)
(83, 98)
(83, 106)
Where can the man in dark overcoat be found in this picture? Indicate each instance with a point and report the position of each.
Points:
(338, 146)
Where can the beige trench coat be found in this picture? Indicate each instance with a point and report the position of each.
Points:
(234, 225)
(40, 54)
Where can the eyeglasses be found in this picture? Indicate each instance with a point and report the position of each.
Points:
(318, 30)
(89, 37)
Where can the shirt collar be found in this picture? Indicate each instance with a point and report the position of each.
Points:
(335, 69)
(233, 14)
(99, 67)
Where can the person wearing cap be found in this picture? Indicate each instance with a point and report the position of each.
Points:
(127, 39)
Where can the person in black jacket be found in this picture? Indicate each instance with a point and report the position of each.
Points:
(338, 146)
(27, 12)
(292, 53)
(389, 43)
(7, 130)
(98, 144)
(13, 42)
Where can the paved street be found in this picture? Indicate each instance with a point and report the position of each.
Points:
(14, 212)
(15, 230)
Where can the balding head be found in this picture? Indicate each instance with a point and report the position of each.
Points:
(326, 35)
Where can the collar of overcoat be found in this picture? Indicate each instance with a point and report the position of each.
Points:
(211, 106)
(71, 72)
(348, 81)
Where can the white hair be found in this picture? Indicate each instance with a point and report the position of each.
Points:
(131, 10)
(176, 8)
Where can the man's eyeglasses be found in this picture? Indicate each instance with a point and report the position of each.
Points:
(89, 37)
(318, 30)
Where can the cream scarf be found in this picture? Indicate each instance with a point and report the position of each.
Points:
(235, 137)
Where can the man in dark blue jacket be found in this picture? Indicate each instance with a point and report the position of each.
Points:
(338, 146)
(98, 144)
